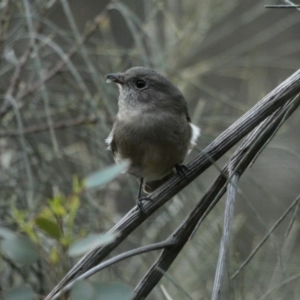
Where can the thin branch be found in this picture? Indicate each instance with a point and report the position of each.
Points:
(295, 202)
(38, 67)
(282, 284)
(12, 89)
(276, 121)
(15, 79)
(176, 284)
(59, 65)
(45, 127)
(228, 216)
(282, 6)
(29, 193)
(157, 246)
(289, 4)
(292, 219)
(4, 24)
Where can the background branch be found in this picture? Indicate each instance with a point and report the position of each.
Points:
(44, 127)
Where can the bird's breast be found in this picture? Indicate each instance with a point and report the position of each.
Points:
(153, 142)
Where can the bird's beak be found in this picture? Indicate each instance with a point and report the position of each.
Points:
(117, 78)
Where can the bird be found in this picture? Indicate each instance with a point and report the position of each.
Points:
(152, 128)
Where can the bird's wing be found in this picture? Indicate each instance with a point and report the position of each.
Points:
(195, 131)
(194, 136)
(111, 145)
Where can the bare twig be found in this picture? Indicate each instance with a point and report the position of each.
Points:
(15, 80)
(292, 219)
(3, 25)
(282, 6)
(289, 4)
(282, 283)
(56, 69)
(294, 203)
(228, 216)
(58, 125)
(157, 246)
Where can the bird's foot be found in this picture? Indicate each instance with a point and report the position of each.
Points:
(139, 203)
(182, 170)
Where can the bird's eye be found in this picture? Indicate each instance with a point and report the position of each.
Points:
(140, 84)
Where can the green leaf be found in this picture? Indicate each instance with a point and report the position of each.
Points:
(104, 176)
(78, 185)
(49, 227)
(20, 249)
(19, 293)
(113, 291)
(90, 242)
(56, 205)
(82, 290)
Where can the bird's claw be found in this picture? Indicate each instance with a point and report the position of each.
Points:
(139, 203)
(182, 170)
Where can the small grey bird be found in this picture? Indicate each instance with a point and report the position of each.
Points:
(152, 129)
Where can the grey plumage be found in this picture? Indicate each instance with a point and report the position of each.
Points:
(152, 127)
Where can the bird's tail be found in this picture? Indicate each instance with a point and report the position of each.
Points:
(151, 186)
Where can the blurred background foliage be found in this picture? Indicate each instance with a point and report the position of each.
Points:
(56, 110)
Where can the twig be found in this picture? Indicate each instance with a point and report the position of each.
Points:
(295, 202)
(176, 284)
(15, 80)
(25, 156)
(59, 66)
(58, 125)
(289, 4)
(3, 24)
(282, 6)
(38, 65)
(293, 219)
(283, 283)
(275, 123)
(228, 216)
(157, 246)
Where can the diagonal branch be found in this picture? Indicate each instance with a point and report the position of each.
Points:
(238, 162)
